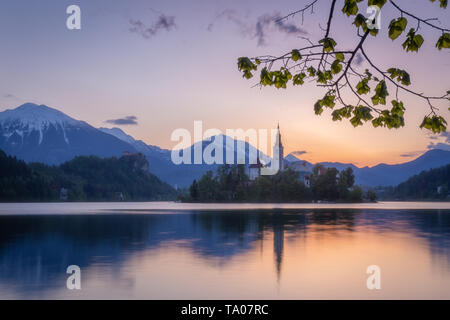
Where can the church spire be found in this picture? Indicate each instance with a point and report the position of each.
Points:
(278, 150)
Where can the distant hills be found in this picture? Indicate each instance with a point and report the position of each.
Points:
(37, 133)
(391, 175)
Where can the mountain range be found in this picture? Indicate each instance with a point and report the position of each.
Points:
(37, 133)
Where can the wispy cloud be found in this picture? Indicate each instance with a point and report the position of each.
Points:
(10, 96)
(163, 23)
(299, 153)
(130, 120)
(443, 141)
(264, 24)
(266, 21)
(439, 145)
(235, 18)
(411, 154)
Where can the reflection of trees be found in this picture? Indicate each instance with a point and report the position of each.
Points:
(343, 218)
(36, 250)
(435, 227)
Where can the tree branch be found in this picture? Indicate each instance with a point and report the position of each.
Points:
(425, 21)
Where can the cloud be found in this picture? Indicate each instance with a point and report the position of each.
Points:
(411, 154)
(266, 21)
(235, 18)
(10, 96)
(259, 30)
(163, 23)
(442, 141)
(359, 59)
(130, 120)
(299, 153)
(439, 145)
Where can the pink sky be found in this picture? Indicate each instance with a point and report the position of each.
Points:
(189, 73)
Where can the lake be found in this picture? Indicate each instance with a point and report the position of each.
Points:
(226, 251)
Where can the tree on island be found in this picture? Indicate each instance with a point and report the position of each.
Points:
(331, 67)
(231, 184)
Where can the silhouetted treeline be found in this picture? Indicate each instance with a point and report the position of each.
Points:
(81, 179)
(231, 184)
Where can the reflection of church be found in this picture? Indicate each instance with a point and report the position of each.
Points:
(278, 246)
(254, 170)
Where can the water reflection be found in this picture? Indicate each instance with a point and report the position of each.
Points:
(36, 250)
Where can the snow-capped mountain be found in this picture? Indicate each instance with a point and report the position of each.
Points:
(180, 175)
(37, 133)
(30, 118)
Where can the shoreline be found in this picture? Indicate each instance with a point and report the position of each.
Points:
(80, 208)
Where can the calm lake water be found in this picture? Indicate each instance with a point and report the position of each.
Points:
(182, 251)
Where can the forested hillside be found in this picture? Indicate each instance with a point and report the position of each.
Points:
(81, 179)
(428, 185)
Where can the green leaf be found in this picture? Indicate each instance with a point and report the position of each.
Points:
(397, 108)
(396, 27)
(340, 57)
(266, 77)
(246, 66)
(444, 41)
(381, 93)
(321, 77)
(298, 79)
(281, 77)
(350, 8)
(336, 67)
(413, 41)
(401, 75)
(360, 114)
(436, 124)
(363, 86)
(379, 3)
(345, 112)
(443, 4)
(296, 55)
(328, 101)
(318, 109)
(360, 21)
(328, 44)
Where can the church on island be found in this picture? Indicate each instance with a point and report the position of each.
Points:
(254, 170)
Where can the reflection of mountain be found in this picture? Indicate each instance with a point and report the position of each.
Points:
(35, 250)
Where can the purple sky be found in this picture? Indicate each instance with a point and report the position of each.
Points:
(164, 64)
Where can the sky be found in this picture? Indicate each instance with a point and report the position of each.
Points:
(150, 67)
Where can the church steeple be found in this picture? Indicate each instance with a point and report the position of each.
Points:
(278, 150)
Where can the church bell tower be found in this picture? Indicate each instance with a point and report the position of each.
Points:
(278, 150)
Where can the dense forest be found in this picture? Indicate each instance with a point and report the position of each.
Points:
(433, 184)
(231, 184)
(81, 179)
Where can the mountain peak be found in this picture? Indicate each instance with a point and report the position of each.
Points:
(31, 117)
(35, 115)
